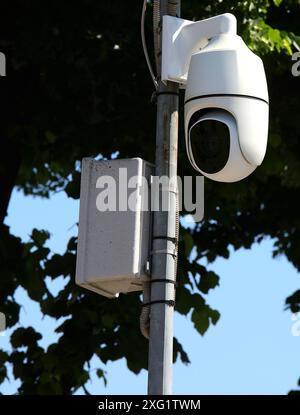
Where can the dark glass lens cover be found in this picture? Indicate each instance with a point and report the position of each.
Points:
(210, 145)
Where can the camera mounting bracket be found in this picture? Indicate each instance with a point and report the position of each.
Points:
(181, 38)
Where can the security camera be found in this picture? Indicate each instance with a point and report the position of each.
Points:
(226, 97)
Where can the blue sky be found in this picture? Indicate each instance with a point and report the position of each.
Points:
(250, 351)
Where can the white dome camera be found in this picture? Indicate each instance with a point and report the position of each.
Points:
(226, 97)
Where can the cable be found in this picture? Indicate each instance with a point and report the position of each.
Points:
(173, 9)
(145, 313)
(177, 239)
(145, 45)
(156, 33)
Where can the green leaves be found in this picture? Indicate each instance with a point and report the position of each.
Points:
(203, 316)
(275, 140)
(3, 371)
(59, 265)
(39, 237)
(293, 302)
(200, 318)
(3, 357)
(265, 39)
(198, 280)
(25, 337)
(188, 243)
(208, 281)
(178, 350)
(185, 300)
(73, 187)
(101, 374)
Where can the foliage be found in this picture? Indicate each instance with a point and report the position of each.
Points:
(69, 93)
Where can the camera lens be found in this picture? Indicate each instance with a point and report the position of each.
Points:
(210, 144)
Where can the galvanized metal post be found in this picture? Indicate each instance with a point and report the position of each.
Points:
(164, 249)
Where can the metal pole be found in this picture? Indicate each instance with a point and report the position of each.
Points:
(164, 249)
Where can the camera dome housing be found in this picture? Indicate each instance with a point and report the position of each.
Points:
(226, 109)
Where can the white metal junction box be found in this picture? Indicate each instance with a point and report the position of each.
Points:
(114, 225)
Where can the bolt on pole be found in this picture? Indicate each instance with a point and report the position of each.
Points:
(164, 243)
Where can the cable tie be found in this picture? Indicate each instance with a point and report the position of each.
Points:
(155, 94)
(171, 189)
(170, 303)
(164, 251)
(168, 238)
(167, 93)
(164, 280)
